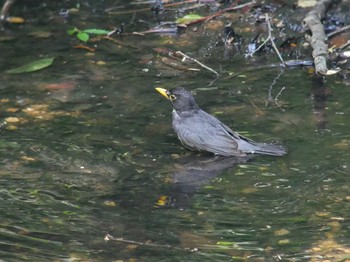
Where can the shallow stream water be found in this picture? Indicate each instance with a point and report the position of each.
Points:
(92, 171)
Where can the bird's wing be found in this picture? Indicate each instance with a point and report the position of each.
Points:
(206, 133)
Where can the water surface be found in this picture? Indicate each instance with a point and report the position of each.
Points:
(92, 171)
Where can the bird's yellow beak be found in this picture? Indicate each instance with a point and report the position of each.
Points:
(163, 92)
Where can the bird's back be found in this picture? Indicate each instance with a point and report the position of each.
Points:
(201, 131)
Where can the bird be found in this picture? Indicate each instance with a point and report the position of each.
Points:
(197, 130)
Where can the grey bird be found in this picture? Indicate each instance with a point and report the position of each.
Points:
(198, 130)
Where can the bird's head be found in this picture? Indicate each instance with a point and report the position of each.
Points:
(181, 99)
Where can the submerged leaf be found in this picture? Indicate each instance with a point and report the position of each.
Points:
(225, 243)
(33, 66)
(188, 18)
(96, 31)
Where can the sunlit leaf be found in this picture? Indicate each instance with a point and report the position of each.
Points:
(188, 18)
(12, 119)
(306, 3)
(33, 66)
(96, 31)
(83, 36)
(28, 158)
(69, 212)
(284, 242)
(225, 243)
(12, 109)
(14, 20)
(110, 203)
(282, 232)
(333, 71)
(162, 201)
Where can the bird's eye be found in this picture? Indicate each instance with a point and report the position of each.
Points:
(172, 97)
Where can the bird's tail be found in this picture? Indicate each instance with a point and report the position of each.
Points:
(269, 149)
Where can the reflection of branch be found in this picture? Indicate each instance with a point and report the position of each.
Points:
(269, 95)
(254, 105)
(319, 94)
(312, 21)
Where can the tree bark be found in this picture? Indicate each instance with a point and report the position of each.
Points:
(318, 38)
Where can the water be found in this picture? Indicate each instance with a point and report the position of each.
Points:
(96, 159)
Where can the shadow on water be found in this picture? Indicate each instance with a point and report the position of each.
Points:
(192, 172)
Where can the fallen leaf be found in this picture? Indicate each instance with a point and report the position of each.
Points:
(12, 119)
(188, 18)
(11, 127)
(58, 86)
(282, 232)
(27, 158)
(284, 242)
(12, 110)
(110, 203)
(33, 66)
(85, 47)
(14, 20)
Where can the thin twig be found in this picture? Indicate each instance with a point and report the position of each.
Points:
(279, 93)
(269, 95)
(344, 45)
(260, 46)
(109, 237)
(341, 30)
(257, 108)
(271, 40)
(5, 9)
(196, 61)
(157, 30)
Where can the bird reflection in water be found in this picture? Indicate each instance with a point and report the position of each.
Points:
(192, 172)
